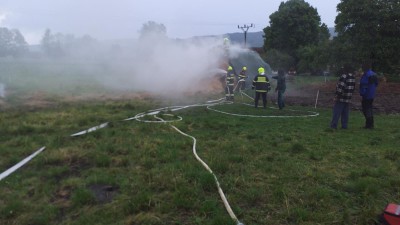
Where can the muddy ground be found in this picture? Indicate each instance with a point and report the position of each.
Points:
(387, 100)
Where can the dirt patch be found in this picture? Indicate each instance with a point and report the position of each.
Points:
(103, 193)
(387, 99)
(62, 197)
(40, 100)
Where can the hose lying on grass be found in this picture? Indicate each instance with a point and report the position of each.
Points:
(20, 164)
(220, 191)
(309, 113)
(140, 117)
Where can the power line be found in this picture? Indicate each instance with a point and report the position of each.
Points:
(245, 28)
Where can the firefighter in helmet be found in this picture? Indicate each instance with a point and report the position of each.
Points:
(262, 86)
(242, 79)
(230, 82)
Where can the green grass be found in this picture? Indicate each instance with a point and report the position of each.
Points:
(273, 170)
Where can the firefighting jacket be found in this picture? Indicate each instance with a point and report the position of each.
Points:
(261, 83)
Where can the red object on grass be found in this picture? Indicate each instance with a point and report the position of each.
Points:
(392, 214)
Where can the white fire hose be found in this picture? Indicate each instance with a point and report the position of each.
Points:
(155, 112)
(20, 164)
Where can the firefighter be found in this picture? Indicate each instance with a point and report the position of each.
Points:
(262, 86)
(242, 79)
(230, 82)
(226, 47)
(227, 42)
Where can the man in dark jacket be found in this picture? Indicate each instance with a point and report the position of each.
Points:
(262, 86)
(280, 88)
(368, 84)
(344, 91)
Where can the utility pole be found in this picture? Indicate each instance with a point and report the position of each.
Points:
(245, 28)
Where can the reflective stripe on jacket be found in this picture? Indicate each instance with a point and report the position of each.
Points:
(261, 83)
(230, 79)
(242, 75)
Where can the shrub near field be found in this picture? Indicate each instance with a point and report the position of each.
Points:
(273, 170)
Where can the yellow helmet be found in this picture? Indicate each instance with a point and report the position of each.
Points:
(230, 68)
(244, 68)
(261, 70)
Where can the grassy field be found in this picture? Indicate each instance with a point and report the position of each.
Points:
(273, 170)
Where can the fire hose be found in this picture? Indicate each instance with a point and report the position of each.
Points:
(139, 117)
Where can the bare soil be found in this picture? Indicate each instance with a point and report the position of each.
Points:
(387, 99)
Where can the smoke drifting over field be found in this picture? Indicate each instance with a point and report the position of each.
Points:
(84, 67)
(161, 65)
(2, 92)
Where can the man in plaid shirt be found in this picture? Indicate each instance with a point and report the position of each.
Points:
(344, 92)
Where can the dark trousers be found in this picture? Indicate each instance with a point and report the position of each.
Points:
(367, 109)
(281, 101)
(241, 85)
(263, 96)
(340, 110)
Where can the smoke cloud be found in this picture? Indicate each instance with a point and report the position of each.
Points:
(164, 66)
(2, 91)
(3, 16)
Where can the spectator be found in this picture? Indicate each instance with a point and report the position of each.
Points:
(280, 88)
(344, 91)
(368, 84)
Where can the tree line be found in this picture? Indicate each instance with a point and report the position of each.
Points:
(295, 38)
(366, 31)
(12, 43)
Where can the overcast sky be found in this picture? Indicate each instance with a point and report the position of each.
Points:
(118, 19)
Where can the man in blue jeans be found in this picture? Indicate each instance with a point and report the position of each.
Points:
(368, 84)
(344, 91)
(280, 87)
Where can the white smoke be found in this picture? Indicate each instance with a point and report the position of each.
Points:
(2, 18)
(2, 91)
(162, 65)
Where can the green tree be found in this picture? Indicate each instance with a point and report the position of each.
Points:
(152, 29)
(58, 44)
(279, 60)
(20, 46)
(370, 30)
(51, 44)
(12, 43)
(314, 58)
(295, 25)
